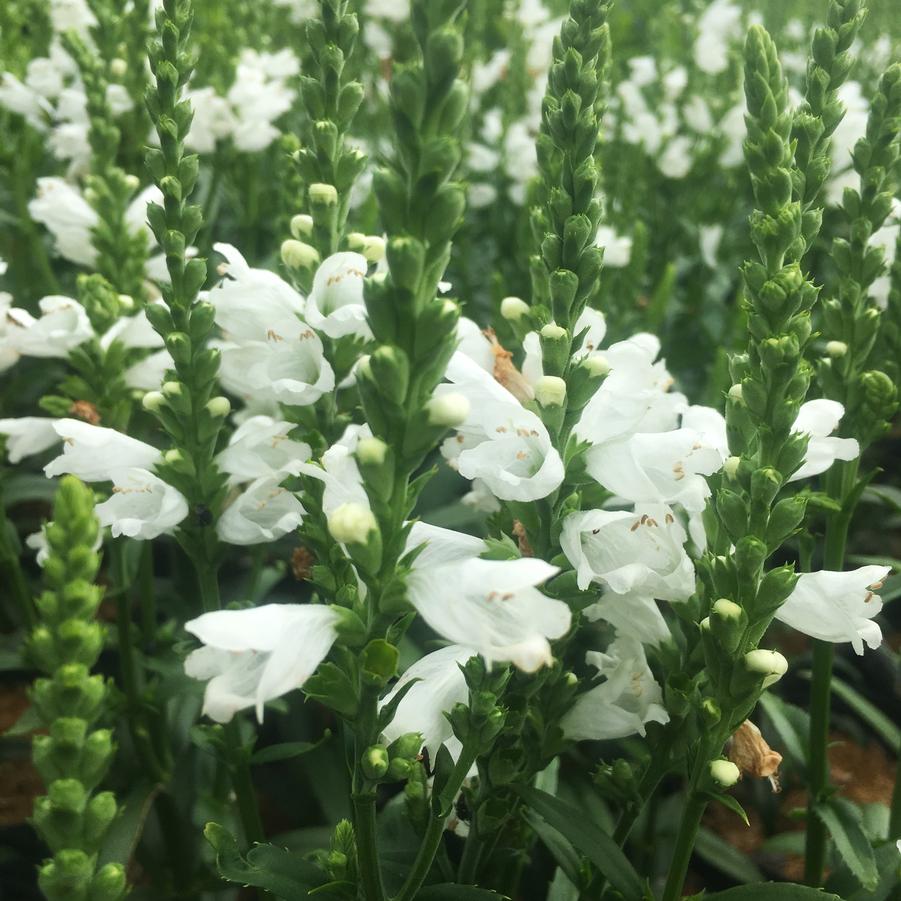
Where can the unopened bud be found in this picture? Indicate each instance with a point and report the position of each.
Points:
(597, 364)
(730, 467)
(172, 389)
(553, 332)
(218, 407)
(724, 773)
(836, 349)
(448, 410)
(375, 762)
(372, 451)
(298, 255)
(374, 248)
(118, 67)
(302, 226)
(770, 664)
(735, 392)
(351, 524)
(153, 401)
(126, 302)
(727, 610)
(355, 241)
(550, 391)
(514, 308)
(324, 194)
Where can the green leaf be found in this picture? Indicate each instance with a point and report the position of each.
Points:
(279, 871)
(731, 803)
(869, 713)
(843, 883)
(791, 724)
(450, 891)
(771, 891)
(586, 837)
(726, 858)
(123, 838)
(25, 724)
(287, 750)
(561, 850)
(842, 820)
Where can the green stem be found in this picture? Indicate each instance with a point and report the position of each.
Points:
(14, 578)
(472, 856)
(367, 846)
(840, 483)
(435, 830)
(894, 829)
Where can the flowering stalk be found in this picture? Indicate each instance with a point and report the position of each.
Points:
(770, 383)
(421, 208)
(186, 406)
(73, 756)
(852, 324)
(332, 97)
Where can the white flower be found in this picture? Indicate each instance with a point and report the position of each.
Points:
(635, 615)
(676, 159)
(439, 686)
(848, 132)
(818, 419)
(501, 442)
(213, 120)
(474, 343)
(142, 506)
(663, 467)
(837, 606)
(133, 332)
(260, 446)
(625, 703)
(260, 95)
(255, 304)
(642, 70)
(62, 210)
(263, 512)
(719, 24)
(27, 436)
(148, 374)
(339, 471)
(617, 248)
(96, 454)
(254, 656)
(639, 552)
(709, 237)
(71, 15)
(393, 10)
(634, 396)
(492, 606)
(335, 304)
(23, 100)
(62, 326)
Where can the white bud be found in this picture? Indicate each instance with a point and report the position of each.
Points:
(302, 226)
(172, 389)
(153, 401)
(351, 524)
(724, 773)
(298, 255)
(374, 248)
(553, 332)
(514, 308)
(126, 302)
(132, 182)
(550, 391)
(118, 67)
(726, 609)
(448, 410)
(735, 392)
(326, 194)
(770, 664)
(730, 467)
(174, 457)
(218, 407)
(836, 349)
(372, 451)
(596, 364)
(704, 624)
(355, 241)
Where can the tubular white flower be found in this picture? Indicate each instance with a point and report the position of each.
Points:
(638, 552)
(591, 325)
(62, 210)
(339, 471)
(259, 447)
(62, 326)
(837, 606)
(96, 454)
(255, 304)
(132, 332)
(254, 656)
(667, 467)
(492, 606)
(263, 512)
(148, 374)
(635, 615)
(335, 304)
(142, 506)
(635, 395)
(625, 703)
(440, 685)
(818, 419)
(27, 436)
(501, 442)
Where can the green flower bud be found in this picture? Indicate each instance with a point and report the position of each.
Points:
(836, 349)
(218, 407)
(372, 451)
(550, 391)
(597, 364)
(327, 195)
(374, 248)
(298, 255)
(352, 524)
(771, 665)
(109, 883)
(514, 308)
(724, 773)
(302, 226)
(406, 746)
(153, 401)
(375, 762)
(379, 662)
(730, 467)
(399, 770)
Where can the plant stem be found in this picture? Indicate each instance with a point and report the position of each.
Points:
(840, 484)
(435, 830)
(894, 828)
(472, 856)
(367, 846)
(14, 577)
